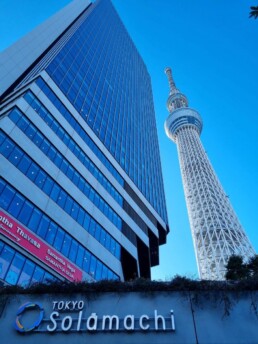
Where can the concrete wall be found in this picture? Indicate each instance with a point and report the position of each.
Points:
(186, 320)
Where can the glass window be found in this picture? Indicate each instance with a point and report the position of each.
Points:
(70, 172)
(51, 233)
(112, 247)
(15, 115)
(54, 126)
(51, 153)
(59, 239)
(40, 83)
(93, 263)
(16, 205)
(35, 104)
(30, 131)
(34, 220)
(92, 227)
(71, 145)
(48, 119)
(48, 278)
(43, 226)
(25, 213)
(62, 198)
(104, 273)
(58, 160)
(110, 275)
(91, 195)
(68, 205)
(108, 241)
(97, 232)
(96, 200)
(83, 158)
(75, 210)
(76, 151)
(81, 184)
(55, 192)
(40, 179)
(60, 132)
(7, 147)
(1, 246)
(6, 197)
(23, 123)
(15, 156)
(45, 146)
(48, 185)
(64, 166)
(66, 245)
(101, 205)
(26, 274)
(28, 97)
(117, 250)
(106, 209)
(91, 167)
(15, 269)
(76, 178)
(24, 164)
(73, 251)
(98, 273)
(5, 260)
(38, 139)
(38, 275)
(110, 215)
(81, 216)
(103, 237)
(66, 139)
(2, 186)
(86, 262)
(86, 222)
(51, 96)
(80, 254)
(42, 112)
(33, 171)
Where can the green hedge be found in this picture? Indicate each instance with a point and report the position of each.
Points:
(138, 285)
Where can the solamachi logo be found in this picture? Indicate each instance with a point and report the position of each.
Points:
(72, 316)
(29, 306)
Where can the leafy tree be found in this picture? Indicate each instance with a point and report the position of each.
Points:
(236, 269)
(253, 266)
(253, 12)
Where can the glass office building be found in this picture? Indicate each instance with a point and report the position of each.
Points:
(81, 190)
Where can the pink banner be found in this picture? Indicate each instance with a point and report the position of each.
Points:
(37, 247)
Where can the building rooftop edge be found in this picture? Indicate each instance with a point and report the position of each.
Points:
(17, 58)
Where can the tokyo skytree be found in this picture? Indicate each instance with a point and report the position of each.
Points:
(216, 230)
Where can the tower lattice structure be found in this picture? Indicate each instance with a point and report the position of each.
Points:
(216, 230)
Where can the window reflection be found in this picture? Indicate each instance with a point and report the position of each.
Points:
(15, 268)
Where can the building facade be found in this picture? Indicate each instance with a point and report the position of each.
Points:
(81, 190)
(216, 231)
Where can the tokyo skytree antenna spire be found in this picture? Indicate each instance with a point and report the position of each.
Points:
(172, 85)
(216, 230)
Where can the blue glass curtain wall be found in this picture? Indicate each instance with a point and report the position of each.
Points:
(16, 269)
(72, 145)
(33, 218)
(104, 77)
(84, 159)
(40, 178)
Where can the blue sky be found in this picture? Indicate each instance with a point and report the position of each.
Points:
(213, 51)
